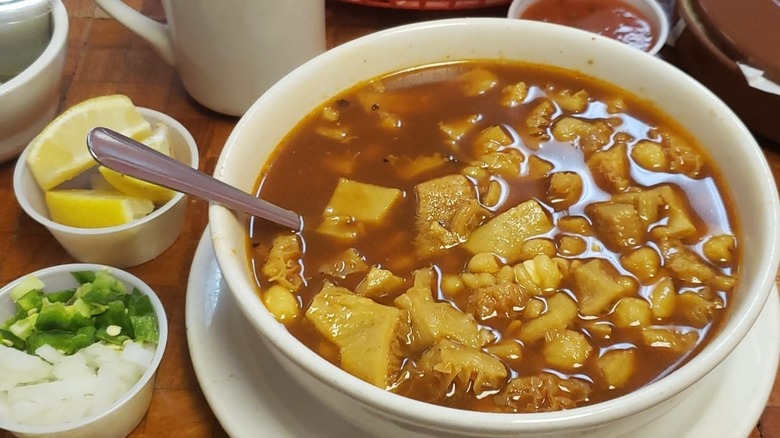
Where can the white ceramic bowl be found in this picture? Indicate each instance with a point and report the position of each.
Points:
(649, 8)
(124, 245)
(29, 101)
(739, 157)
(120, 418)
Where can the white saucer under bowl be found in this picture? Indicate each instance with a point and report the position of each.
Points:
(251, 394)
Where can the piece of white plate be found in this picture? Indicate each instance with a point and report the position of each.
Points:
(251, 395)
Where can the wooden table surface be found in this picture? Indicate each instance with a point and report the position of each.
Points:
(105, 58)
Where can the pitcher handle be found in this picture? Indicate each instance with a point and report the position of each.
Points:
(153, 32)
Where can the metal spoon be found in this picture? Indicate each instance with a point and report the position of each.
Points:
(127, 156)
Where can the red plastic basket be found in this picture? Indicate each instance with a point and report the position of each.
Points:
(440, 5)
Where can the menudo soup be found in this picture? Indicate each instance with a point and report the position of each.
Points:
(497, 236)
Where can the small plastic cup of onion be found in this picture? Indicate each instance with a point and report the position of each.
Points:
(80, 345)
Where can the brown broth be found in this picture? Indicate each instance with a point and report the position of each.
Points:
(302, 177)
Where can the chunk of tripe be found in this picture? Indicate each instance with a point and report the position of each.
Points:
(354, 203)
(597, 287)
(448, 363)
(447, 212)
(364, 331)
(433, 321)
(504, 234)
(379, 282)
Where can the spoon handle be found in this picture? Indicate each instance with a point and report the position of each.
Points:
(127, 156)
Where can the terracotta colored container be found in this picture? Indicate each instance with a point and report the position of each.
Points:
(720, 33)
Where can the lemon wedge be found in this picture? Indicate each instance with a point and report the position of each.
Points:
(59, 153)
(128, 185)
(84, 208)
(159, 139)
(137, 188)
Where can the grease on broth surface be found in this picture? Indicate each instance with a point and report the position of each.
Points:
(496, 236)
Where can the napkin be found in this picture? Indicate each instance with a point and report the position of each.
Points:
(755, 78)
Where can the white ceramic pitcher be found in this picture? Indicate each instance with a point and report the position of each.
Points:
(229, 52)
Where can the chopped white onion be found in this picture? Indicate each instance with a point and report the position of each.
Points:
(136, 353)
(72, 367)
(18, 367)
(49, 354)
(49, 391)
(63, 389)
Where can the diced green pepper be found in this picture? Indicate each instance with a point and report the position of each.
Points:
(81, 307)
(53, 316)
(104, 280)
(145, 328)
(59, 339)
(7, 323)
(23, 328)
(139, 304)
(100, 310)
(84, 276)
(61, 296)
(115, 314)
(102, 335)
(77, 318)
(103, 290)
(31, 300)
(59, 316)
(11, 339)
(67, 342)
(27, 284)
(92, 295)
(83, 338)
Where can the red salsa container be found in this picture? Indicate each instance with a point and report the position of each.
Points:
(641, 24)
